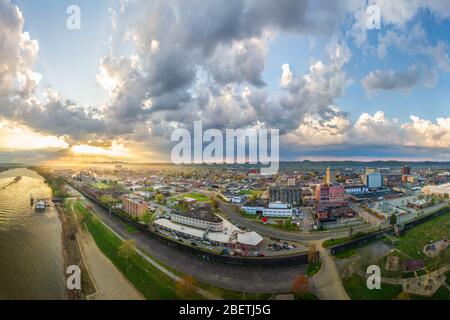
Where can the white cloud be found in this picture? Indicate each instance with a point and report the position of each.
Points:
(18, 53)
(286, 75)
(371, 130)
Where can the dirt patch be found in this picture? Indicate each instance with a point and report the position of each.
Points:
(433, 249)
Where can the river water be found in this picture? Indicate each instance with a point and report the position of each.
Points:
(31, 261)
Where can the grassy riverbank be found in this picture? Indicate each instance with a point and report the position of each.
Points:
(72, 253)
(152, 283)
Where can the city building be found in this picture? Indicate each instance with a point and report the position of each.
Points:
(406, 170)
(373, 180)
(330, 177)
(443, 189)
(291, 182)
(201, 218)
(229, 236)
(330, 196)
(273, 210)
(134, 205)
(291, 195)
(409, 179)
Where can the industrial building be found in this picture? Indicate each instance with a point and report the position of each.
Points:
(201, 218)
(273, 210)
(291, 195)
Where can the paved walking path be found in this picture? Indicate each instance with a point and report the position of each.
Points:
(327, 282)
(110, 282)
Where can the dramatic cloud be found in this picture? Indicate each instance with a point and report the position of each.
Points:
(171, 63)
(14, 136)
(18, 53)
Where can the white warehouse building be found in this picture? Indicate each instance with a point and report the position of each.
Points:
(274, 210)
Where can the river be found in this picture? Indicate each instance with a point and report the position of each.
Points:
(31, 261)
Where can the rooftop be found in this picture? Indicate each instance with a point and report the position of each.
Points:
(202, 213)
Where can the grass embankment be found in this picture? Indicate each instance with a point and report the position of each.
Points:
(413, 241)
(356, 288)
(333, 242)
(305, 296)
(313, 268)
(234, 295)
(346, 253)
(152, 283)
(72, 253)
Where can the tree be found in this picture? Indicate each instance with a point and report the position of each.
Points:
(186, 288)
(127, 250)
(214, 203)
(252, 198)
(300, 286)
(288, 224)
(148, 217)
(393, 219)
(107, 199)
(159, 198)
(312, 254)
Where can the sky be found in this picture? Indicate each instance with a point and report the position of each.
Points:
(334, 83)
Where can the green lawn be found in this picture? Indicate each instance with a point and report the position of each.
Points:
(100, 185)
(313, 268)
(416, 238)
(129, 228)
(305, 296)
(346, 253)
(332, 242)
(233, 295)
(356, 288)
(152, 283)
(249, 192)
(197, 196)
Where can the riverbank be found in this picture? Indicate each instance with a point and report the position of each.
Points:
(72, 254)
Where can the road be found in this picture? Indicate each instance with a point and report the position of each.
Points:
(159, 267)
(237, 218)
(238, 278)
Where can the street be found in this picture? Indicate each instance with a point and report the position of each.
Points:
(238, 278)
